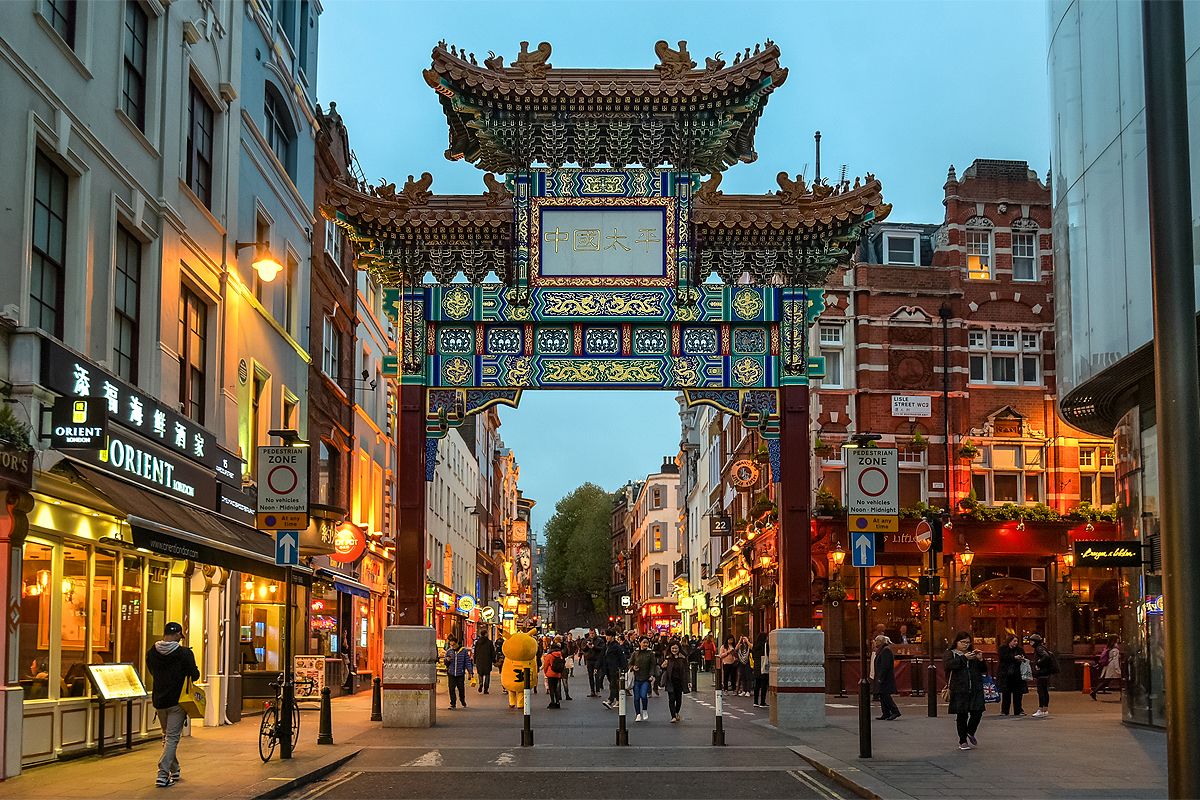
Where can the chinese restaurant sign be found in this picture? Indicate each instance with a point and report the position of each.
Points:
(1108, 554)
(78, 423)
(586, 241)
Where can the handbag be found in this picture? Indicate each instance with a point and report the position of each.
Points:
(990, 693)
(193, 700)
(1026, 671)
(945, 693)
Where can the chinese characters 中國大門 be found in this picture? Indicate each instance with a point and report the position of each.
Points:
(582, 242)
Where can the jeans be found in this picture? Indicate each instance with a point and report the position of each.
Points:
(641, 696)
(566, 683)
(888, 705)
(761, 686)
(968, 723)
(1015, 698)
(729, 677)
(674, 700)
(745, 677)
(485, 681)
(1043, 690)
(614, 685)
(171, 719)
(457, 683)
(595, 678)
(555, 685)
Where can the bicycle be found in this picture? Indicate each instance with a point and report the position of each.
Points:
(269, 728)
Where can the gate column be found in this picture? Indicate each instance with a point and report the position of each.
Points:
(795, 540)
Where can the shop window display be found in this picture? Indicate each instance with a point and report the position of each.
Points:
(323, 620)
(1008, 606)
(75, 600)
(261, 624)
(36, 597)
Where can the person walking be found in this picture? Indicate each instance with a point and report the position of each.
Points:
(485, 654)
(1008, 677)
(744, 675)
(591, 660)
(709, 647)
(554, 667)
(1110, 668)
(676, 679)
(567, 650)
(758, 662)
(1045, 666)
(458, 667)
(728, 658)
(614, 663)
(170, 665)
(965, 668)
(642, 665)
(885, 678)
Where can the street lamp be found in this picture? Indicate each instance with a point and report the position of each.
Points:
(839, 558)
(266, 265)
(966, 558)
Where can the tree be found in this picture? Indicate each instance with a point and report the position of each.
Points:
(578, 548)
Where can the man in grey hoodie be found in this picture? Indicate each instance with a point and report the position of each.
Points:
(171, 664)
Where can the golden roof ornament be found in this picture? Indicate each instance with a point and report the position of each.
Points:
(535, 64)
(673, 64)
(416, 192)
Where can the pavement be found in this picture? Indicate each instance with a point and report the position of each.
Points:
(221, 762)
(1081, 751)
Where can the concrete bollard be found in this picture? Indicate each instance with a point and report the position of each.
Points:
(409, 676)
(797, 678)
(325, 732)
(376, 700)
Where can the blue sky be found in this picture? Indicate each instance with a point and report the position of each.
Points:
(900, 89)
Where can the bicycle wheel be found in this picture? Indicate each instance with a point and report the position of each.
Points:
(295, 724)
(268, 734)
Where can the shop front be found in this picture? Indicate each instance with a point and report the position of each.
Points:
(659, 616)
(339, 625)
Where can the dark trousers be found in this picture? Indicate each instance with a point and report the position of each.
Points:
(555, 690)
(485, 680)
(888, 705)
(1043, 689)
(761, 686)
(729, 676)
(595, 678)
(968, 723)
(457, 683)
(1015, 698)
(614, 685)
(565, 685)
(674, 700)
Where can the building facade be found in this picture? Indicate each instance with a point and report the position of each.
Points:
(654, 542)
(1102, 249)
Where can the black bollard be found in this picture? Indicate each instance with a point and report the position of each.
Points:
(325, 734)
(527, 729)
(376, 700)
(718, 737)
(695, 674)
(622, 731)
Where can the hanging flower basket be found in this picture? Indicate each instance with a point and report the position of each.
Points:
(968, 450)
(822, 449)
(1070, 599)
(835, 592)
(968, 597)
(763, 456)
(918, 443)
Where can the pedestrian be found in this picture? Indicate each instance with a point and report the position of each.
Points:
(347, 653)
(744, 678)
(614, 662)
(170, 665)
(485, 654)
(728, 657)
(642, 665)
(762, 676)
(591, 660)
(709, 646)
(885, 678)
(554, 667)
(458, 667)
(675, 678)
(564, 649)
(1110, 668)
(1045, 666)
(1008, 676)
(965, 669)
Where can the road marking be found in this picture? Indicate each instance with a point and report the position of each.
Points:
(331, 785)
(504, 759)
(815, 785)
(431, 759)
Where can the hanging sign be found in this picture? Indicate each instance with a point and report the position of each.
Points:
(79, 423)
(1108, 554)
(720, 525)
(466, 604)
(349, 543)
(16, 466)
(744, 473)
(487, 613)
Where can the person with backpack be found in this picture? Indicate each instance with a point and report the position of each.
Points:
(1045, 666)
(553, 667)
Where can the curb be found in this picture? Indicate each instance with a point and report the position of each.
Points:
(300, 780)
(851, 777)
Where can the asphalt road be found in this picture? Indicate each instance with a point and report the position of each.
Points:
(476, 753)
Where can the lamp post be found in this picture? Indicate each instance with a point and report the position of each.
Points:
(838, 554)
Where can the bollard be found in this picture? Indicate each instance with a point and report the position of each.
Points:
(325, 734)
(917, 689)
(695, 674)
(527, 729)
(376, 700)
(1087, 676)
(622, 732)
(719, 731)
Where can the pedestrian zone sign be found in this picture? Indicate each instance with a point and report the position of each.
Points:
(873, 475)
(282, 488)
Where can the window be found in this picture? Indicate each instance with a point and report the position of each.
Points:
(911, 488)
(262, 236)
(133, 88)
(287, 417)
(327, 475)
(831, 481)
(333, 241)
(126, 293)
(279, 130)
(656, 531)
(49, 246)
(291, 272)
(1107, 458)
(979, 255)
(304, 24)
(657, 497)
(254, 422)
(200, 146)
(193, 359)
(998, 356)
(902, 249)
(61, 14)
(657, 582)
(832, 345)
(1024, 256)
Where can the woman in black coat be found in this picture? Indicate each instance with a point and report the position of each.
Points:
(885, 678)
(965, 669)
(484, 657)
(1008, 676)
(675, 678)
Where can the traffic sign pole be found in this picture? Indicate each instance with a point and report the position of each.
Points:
(864, 681)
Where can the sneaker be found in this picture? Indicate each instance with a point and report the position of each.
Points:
(175, 778)
(1039, 714)
(964, 746)
(974, 742)
(607, 704)
(674, 719)
(163, 781)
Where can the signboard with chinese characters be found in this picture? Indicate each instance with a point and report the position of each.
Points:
(142, 462)
(78, 423)
(73, 376)
(904, 405)
(116, 681)
(584, 241)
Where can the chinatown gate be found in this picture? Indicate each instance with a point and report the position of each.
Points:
(605, 258)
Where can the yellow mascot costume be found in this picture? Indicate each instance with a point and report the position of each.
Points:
(520, 652)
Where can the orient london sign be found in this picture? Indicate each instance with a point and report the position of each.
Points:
(78, 423)
(1101, 553)
(282, 488)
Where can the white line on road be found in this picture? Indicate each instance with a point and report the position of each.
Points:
(325, 788)
(431, 759)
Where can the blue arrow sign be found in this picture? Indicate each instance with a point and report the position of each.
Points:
(287, 548)
(862, 550)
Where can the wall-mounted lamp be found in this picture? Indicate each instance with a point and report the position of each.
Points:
(839, 557)
(1068, 562)
(266, 265)
(967, 556)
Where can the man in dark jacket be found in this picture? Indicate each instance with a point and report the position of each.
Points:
(591, 651)
(170, 665)
(485, 654)
(614, 661)
(885, 678)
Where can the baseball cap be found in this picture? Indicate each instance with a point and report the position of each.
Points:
(172, 628)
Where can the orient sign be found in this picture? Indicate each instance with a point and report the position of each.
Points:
(78, 423)
(349, 543)
(1108, 554)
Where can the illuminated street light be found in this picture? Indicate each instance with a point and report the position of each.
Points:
(266, 265)
(966, 556)
(839, 555)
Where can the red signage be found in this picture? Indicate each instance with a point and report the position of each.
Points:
(349, 543)
(924, 535)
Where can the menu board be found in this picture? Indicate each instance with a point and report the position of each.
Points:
(116, 681)
(309, 668)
